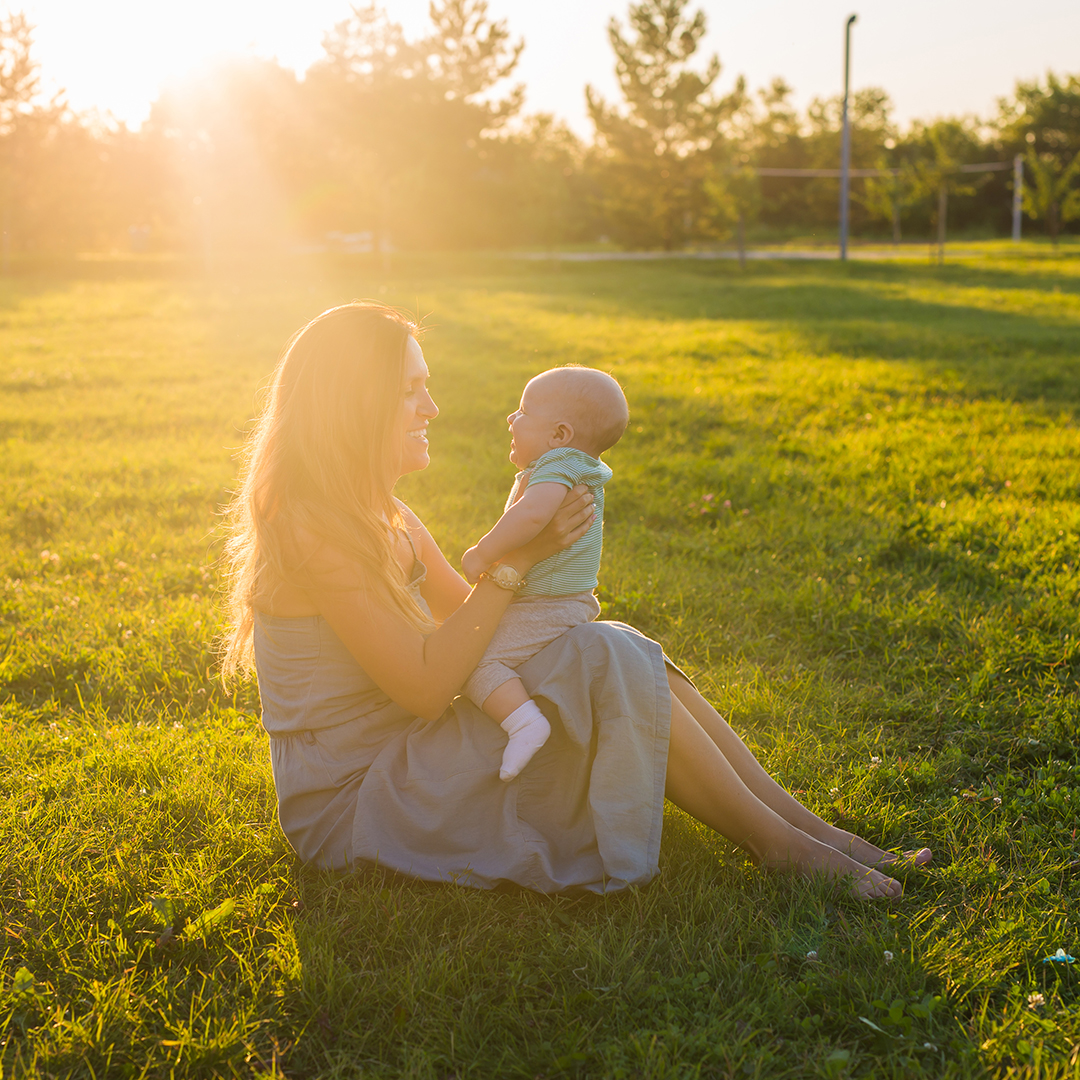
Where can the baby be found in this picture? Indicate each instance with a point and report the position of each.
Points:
(567, 418)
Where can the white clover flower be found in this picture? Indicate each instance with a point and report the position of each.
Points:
(888, 957)
(875, 761)
(812, 956)
(997, 800)
(834, 791)
(1035, 1000)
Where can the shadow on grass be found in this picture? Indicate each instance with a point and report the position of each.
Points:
(714, 966)
(857, 311)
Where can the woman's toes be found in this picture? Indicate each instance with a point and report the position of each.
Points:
(916, 857)
(877, 886)
(869, 855)
(891, 888)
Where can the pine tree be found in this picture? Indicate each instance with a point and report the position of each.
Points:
(663, 151)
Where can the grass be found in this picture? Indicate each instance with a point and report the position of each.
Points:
(886, 610)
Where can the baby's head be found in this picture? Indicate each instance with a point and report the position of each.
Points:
(567, 406)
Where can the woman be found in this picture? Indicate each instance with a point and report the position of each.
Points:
(362, 635)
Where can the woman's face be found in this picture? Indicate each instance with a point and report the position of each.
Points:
(417, 409)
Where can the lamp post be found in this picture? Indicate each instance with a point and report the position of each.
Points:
(845, 145)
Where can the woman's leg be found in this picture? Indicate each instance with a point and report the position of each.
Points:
(702, 781)
(770, 792)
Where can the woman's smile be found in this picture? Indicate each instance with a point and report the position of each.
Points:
(417, 410)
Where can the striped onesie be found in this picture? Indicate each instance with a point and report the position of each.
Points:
(559, 593)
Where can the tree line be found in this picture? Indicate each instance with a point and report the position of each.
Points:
(387, 142)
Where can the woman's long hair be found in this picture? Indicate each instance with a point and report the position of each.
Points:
(320, 462)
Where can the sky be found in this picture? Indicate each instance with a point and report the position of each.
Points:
(933, 57)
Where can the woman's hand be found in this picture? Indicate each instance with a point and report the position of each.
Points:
(571, 522)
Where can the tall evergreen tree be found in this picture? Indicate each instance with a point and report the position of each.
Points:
(467, 54)
(411, 123)
(42, 147)
(661, 153)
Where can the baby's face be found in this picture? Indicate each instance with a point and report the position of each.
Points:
(533, 425)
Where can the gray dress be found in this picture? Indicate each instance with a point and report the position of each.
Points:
(360, 780)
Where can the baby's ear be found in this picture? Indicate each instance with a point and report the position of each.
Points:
(562, 435)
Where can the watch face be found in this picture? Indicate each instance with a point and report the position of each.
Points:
(507, 577)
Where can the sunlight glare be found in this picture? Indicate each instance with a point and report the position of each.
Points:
(124, 51)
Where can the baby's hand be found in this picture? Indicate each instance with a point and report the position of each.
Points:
(473, 564)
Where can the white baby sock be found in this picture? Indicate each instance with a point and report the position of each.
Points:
(528, 730)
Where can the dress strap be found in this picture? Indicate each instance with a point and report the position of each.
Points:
(415, 553)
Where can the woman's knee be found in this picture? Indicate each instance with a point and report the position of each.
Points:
(609, 635)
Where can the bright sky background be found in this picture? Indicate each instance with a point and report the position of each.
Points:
(934, 57)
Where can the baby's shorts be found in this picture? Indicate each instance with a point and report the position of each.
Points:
(530, 623)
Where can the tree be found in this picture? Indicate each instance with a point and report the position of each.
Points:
(51, 161)
(770, 134)
(930, 158)
(1042, 118)
(231, 158)
(1052, 196)
(658, 151)
(886, 197)
(19, 85)
(467, 54)
(1042, 123)
(411, 125)
(19, 75)
(870, 117)
(546, 183)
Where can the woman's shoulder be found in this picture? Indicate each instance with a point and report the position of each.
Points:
(408, 515)
(418, 534)
(314, 562)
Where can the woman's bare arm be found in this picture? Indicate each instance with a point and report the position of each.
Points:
(424, 673)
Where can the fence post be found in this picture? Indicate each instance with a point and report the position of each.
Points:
(942, 207)
(896, 210)
(1018, 195)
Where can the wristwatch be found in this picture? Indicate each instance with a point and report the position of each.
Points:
(506, 577)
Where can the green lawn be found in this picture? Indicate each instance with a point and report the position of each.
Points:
(847, 502)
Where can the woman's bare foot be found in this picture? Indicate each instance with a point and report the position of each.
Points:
(863, 851)
(812, 858)
(915, 857)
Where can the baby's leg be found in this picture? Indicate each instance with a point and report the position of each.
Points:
(520, 717)
(524, 630)
(500, 693)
